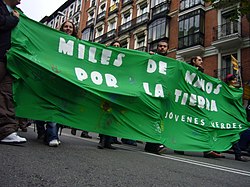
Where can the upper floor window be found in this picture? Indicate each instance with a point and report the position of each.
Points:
(87, 34)
(71, 10)
(112, 24)
(156, 2)
(102, 7)
(92, 3)
(157, 29)
(226, 65)
(112, 2)
(57, 23)
(79, 4)
(91, 15)
(191, 29)
(185, 4)
(142, 9)
(124, 44)
(140, 42)
(126, 17)
(99, 31)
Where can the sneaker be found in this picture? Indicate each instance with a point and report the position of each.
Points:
(241, 158)
(54, 143)
(162, 149)
(13, 138)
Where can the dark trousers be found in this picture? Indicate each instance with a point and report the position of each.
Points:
(152, 147)
(8, 122)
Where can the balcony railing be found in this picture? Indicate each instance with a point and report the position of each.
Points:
(126, 2)
(161, 8)
(111, 33)
(113, 8)
(106, 36)
(143, 48)
(226, 30)
(191, 40)
(90, 22)
(101, 16)
(134, 23)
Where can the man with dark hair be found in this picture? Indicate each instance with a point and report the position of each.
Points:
(162, 49)
(9, 19)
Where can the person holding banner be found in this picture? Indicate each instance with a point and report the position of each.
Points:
(50, 133)
(9, 19)
(69, 28)
(197, 62)
(231, 81)
(156, 148)
(105, 140)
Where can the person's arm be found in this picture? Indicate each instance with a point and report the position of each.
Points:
(8, 22)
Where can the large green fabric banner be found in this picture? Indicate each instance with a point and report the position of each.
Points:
(120, 92)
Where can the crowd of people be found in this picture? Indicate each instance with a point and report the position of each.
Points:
(48, 131)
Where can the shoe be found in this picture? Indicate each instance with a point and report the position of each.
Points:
(73, 132)
(13, 138)
(162, 149)
(117, 142)
(179, 152)
(100, 146)
(54, 143)
(241, 158)
(212, 154)
(84, 135)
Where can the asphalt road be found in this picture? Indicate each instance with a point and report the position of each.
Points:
(78, 162)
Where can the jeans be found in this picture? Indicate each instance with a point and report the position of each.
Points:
(244, 141)
(51, 131)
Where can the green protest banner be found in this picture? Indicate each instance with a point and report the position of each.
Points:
(121, 92)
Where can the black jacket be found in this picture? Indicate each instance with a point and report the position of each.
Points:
(7, 23)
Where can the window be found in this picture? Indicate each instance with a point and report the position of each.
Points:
(226, 65)
(99, 31)
(79, 3)
(142, 9)
(157, 29)
(126, 17)
(111, 25)
(191, 29)
(76, 20)
(112, 2)
(228, 26)
(92, 3)
(51, 24)
(156, 2)
(186, 4)
(87, 34)
(140, 41)
(71, 10)
(124, 44)
(57, 24)
(91, 15)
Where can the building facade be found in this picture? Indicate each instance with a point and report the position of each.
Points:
(191, 27)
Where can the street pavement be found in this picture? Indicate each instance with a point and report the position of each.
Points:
(78, 163)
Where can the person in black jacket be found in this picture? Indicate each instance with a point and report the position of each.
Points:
(9, 19)
(156, 148)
